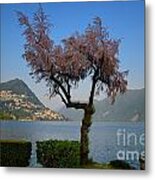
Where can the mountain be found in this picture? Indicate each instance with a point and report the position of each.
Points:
(17, 101)
(19, 87)
(127, 107)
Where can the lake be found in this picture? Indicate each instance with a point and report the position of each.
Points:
(108, 140)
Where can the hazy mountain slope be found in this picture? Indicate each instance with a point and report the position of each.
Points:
(127, 107)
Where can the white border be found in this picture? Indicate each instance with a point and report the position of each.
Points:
(40, 174)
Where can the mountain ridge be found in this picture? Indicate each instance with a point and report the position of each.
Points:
(17, 101)
(127, 107)
(18, 86)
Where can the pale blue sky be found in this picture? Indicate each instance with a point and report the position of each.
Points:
(124, 20)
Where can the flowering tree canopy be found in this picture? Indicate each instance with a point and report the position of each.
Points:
(91, 53)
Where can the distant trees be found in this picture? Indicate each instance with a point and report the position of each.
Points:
(92, 53)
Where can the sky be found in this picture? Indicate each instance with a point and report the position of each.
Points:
(124, 20)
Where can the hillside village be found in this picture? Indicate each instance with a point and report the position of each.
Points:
(19, 106)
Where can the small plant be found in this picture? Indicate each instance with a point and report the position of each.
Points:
(118, 164)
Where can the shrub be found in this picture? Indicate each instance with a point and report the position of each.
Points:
(5, 116)
(118, 164)
(59, 154)
(15, 153)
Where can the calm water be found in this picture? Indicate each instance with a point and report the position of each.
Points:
(108, 140)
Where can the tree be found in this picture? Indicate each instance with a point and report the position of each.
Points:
(92, 53)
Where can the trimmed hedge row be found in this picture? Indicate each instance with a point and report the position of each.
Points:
(15, 153)
(59, 154)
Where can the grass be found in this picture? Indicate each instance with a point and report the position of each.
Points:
(95, 165)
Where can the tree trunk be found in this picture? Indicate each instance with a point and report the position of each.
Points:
(84, 146)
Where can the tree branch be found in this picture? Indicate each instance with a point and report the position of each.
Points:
(67, 102)
(62, 98)
(94, 81)
(67, 95)
(76, 105)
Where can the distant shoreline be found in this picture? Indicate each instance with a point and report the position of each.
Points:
(25, 120)
(68, 120)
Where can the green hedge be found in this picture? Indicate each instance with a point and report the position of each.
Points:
(14, 153)
(59, 154)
